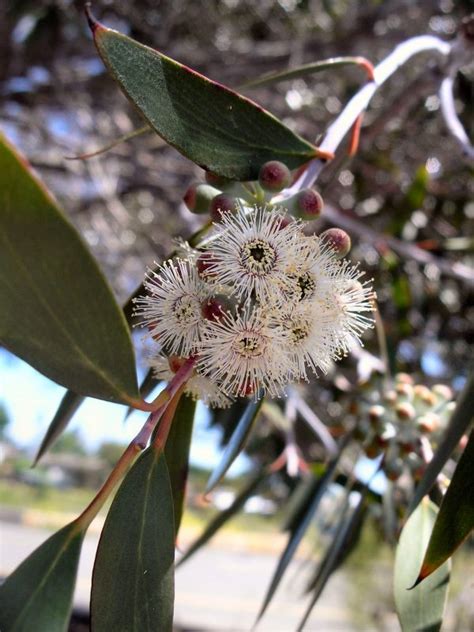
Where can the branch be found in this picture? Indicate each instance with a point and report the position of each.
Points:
(407, 250)
(360, 101)
(451, 118)
(313, 421)
(139, 442)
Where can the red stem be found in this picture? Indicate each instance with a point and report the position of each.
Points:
(139, 442)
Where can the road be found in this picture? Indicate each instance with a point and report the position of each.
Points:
(217, 590)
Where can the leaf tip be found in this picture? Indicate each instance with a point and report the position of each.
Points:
(423, 575)
(94, 24)
(322, 154)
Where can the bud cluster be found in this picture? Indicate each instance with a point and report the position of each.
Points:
(259, 304)
(219, 195)
(407, 419)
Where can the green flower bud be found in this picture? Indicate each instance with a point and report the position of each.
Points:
(394, 469)
(376, 414)
(406, 378)
(404, 391)
(198, 197)
(443, 392)
(390, 397)
(428, 423)
(424, 396)
(414, 462)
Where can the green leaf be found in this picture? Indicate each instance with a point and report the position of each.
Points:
(420, 609)
(299, 501)
(215, 127)
(37, 596)
(133, 579)
(345, 537)
(236, 443)
(224, 516)
(177, 449)
(459, 423)
(118, 141)
(300, 522)
(58, 312)
(307, 69)
(455, 519)
(68, 406)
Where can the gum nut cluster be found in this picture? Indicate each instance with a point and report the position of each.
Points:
(260, 305)
(409, 418)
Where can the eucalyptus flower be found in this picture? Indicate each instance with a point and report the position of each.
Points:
(172, 308)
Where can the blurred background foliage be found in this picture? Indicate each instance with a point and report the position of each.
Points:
(407, 198)
(408, 180)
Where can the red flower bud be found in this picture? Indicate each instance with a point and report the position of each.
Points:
(338, 239)
(221, 204)
(274, 176)
(309, 204)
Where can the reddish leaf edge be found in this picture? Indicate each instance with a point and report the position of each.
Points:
(97, 27)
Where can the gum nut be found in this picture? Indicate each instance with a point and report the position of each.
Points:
(404, 377)
(405, 411)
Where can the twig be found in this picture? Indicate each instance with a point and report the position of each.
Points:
(360, 101)
(313, 421)
(405, 249)
(451, 118)
(137, 445)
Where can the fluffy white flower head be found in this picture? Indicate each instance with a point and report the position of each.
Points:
(252, 252)
(260, 304)
(172, 308)
(244, 355)
(309, 344)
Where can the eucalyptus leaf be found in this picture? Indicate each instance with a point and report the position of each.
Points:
(37, 596)
(133, 578)
(68, 407)
(177, 449)
(224, 516)
(421, 608)
(58, 312)
(308, 69)
(460, 421)
(345, 537)
(236, 443)
(455, 519)
(215, 127)
(300, 522)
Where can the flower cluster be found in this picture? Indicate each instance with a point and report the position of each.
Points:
(405, 425)
(260, 305)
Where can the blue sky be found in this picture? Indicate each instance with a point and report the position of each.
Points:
(32, 399)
